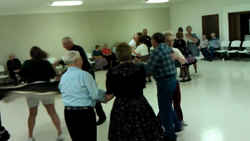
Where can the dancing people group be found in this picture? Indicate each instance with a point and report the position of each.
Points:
(132, 117)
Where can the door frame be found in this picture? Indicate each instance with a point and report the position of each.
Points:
(217, 20)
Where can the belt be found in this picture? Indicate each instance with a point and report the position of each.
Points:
(77, 108)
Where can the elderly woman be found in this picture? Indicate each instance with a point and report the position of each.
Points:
(79, 93)
(193, 43)
(169, 39)
(141, 49)
(132, 118)
(34, 70)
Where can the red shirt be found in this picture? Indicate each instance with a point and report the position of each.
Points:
(106, 51)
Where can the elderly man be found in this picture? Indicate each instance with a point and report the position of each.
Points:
(146, 39)
(69, 45)
(14, 65)
(162, 66)
(79, 93)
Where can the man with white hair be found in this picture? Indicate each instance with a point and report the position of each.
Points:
(80, 94)
(69, 45)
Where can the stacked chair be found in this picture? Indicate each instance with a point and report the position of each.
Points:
(234, 49)
(223, 52)
(237, 49)
(246, 49)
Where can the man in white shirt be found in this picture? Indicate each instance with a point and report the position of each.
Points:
(132, 43)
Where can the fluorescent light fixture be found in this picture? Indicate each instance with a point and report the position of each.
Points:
(67, 3)
(157, 1)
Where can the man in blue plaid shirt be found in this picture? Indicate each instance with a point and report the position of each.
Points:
(162, 66)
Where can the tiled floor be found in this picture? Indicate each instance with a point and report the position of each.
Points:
(216, 107)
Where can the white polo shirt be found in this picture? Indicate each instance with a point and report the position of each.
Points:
(142, 50)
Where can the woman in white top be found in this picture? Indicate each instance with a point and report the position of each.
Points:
(141, 49)
(141, 52)
(169, 38)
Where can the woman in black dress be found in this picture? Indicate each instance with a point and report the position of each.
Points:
(180, 44)
(132, 118)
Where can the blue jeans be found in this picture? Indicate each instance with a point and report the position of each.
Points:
(212, 51)
(206, 53)
(166, 88)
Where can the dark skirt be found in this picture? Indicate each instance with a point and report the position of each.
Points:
(134, 120)
(42, 88)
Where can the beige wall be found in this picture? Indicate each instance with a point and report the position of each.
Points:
(18, 33)
(114, 26)
(190, 13)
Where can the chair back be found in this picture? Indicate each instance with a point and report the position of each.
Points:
(225, 44)
(246, 44)
(2, 70)
(236, 44)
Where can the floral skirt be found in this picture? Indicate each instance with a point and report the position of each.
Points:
(134, 120)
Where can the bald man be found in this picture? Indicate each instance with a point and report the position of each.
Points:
(146, 39)
(69, 45)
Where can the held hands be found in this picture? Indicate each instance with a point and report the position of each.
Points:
(17, 71)
(108, 97)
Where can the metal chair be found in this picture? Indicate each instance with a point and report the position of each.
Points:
(246, 46)
(234, 48)
(224, 49)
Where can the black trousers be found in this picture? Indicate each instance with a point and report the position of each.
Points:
(81, 124)
(99, 110)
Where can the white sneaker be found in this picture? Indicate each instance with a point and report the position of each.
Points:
(60, 138)
(31, 139)
(184, 123)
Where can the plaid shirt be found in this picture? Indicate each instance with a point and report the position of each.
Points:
(160, 64)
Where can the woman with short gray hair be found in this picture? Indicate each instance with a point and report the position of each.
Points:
(132, 117)
(193, 43)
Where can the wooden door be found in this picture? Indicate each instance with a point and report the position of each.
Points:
(210, 24)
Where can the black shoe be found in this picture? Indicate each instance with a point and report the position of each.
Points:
(101, 121)
(178, 130)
